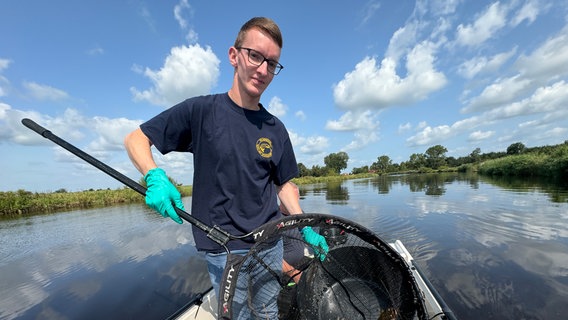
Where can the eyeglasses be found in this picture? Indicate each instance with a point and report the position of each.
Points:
(257, 59)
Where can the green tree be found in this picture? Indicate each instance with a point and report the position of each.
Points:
(436, 156)
(383, 164)
(516, 148)
(303, 170)
(363, 169)
(475, 155)
(416, 161)
(317, 171)
(336, 161)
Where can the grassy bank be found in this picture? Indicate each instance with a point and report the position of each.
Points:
(21, 202)
(311, 180)
(552, 164)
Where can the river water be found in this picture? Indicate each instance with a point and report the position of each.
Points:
(494, 249)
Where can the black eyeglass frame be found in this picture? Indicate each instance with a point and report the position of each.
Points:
(277, 67)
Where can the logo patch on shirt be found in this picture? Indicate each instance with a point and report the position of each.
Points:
(264, 147)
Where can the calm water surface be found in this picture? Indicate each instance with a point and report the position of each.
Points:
(494, 249)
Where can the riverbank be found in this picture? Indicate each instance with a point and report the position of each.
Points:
(23, 203)
(552, 163)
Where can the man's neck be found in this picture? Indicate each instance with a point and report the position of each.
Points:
(242, 101)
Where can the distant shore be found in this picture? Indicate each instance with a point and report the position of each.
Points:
(25, 203)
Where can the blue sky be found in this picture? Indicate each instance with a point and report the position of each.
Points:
(370, 78)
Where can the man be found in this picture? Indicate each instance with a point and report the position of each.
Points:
(243, 158)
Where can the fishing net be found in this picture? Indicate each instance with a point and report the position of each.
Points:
(361, 277)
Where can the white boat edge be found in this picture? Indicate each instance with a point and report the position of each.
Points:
(205, 308)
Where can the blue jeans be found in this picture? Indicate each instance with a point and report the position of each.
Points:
(258, 300)
(216, 265)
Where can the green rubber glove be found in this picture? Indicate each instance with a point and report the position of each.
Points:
(317, 241)
(160, 194)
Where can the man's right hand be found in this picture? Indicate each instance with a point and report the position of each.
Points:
(317, 241)
(161, 193)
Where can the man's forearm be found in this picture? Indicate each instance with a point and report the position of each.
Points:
(289, 196)
(138, 147)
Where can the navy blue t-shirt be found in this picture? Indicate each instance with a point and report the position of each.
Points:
(239, 156)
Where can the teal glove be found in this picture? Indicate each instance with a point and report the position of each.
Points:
(317, 241)
(160, 194)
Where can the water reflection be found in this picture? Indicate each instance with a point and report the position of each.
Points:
(434, 184)
(121, 262)
(554, 188)
(494, 248)
(334, 191)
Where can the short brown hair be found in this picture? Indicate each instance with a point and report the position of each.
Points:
(266, 25)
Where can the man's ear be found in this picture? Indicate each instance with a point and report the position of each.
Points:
(233, 52)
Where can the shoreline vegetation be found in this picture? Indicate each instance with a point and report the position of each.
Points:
(548, 162)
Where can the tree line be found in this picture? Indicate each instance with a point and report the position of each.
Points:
(516, 160)
(551, 161)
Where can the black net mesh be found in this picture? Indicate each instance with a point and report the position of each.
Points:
(361, 277)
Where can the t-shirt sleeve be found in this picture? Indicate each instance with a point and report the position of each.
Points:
(171, 129)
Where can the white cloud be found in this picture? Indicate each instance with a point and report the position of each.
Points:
(314, 145)
(444, 7)
(550, 100)
(363, 124)
(43, 92)
(369, 10)
(545, 64)
(4, 63)
(147, 17)
(4, 86)
(188, 71)
(484, 65)
(404, 127)
(95, 51)
(4, 83)
(276, 107)
(402, 39)
(301, 115)
(179, 12)
(481, 135)
(69, 124)
(549, 61)
(501, 92)
(421, 125)
(430, 135)
(361, 139)
(528, 12)
(544, 99)
(352, 121)
(484, 27)
(377, 87)
(111, 132)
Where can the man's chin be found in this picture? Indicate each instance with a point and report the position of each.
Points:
(256, 92)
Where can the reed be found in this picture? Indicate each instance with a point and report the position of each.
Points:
(312, 180)
(545, 164)
(21, 202)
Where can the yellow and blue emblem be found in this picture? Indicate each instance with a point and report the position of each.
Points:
(264, 147)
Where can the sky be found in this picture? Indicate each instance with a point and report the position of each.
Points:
(368, 78)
